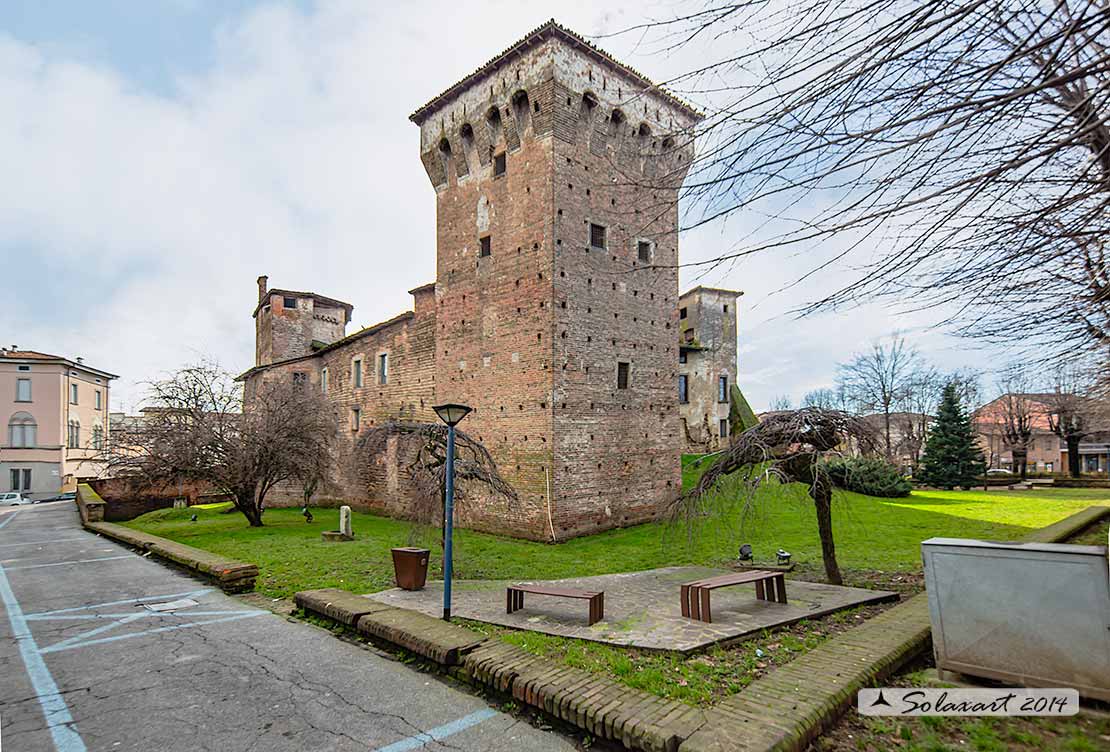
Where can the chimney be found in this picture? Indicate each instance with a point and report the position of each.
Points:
(262, 287)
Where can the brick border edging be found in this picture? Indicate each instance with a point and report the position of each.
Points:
(230, 575)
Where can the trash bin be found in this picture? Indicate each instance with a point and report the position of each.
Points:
(410, 567)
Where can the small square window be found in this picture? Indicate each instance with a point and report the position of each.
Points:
(300, 378)
(622, 375)
(643, 251)
(499, 164)
(726, 307)
(289, 303)
(25, 368)
(681, 356)
(484, 246)
(682, 313)
(597, 236)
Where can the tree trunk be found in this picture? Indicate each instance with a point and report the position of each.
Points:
(821, 493)
(1020, 461)
(1073, 456)
(250, 510)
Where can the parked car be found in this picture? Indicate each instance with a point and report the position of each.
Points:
(999, 471)
(68, 496)
(13, 499)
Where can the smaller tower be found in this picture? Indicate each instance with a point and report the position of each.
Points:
(706, 365)
(289, 324)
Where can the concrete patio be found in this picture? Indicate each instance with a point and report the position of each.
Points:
(641, 608)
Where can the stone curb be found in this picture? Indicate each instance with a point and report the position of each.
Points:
(231, 575)
(1068, 526)
(89, 504)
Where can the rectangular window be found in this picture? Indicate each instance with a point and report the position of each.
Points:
(356, 418)
(682, 313)
(300, 378)
(724, 427)
(23, 390)
(484, 246)
(324, 381)
(722, 388)
(73, 394)
(622, 375)
(356, 373)
(683, 389)
(288, 303)
(597, 236)
(643, 251)
(726, 307)
(499, 164)
(14, 480)
(24, 368)
(97, 398)
(383, 368)
(681, 356)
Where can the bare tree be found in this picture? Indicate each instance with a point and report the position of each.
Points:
(425, 462)
(880, 381)
(790, 446)
(781, 402)
(197, 430)
(826, 398)
(966, 141)
(1073, 414)
(1016, 415)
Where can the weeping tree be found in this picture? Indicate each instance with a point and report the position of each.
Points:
(791, 446)
(422, 457)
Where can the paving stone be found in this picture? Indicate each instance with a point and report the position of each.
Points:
(424, 635)
(342, 606)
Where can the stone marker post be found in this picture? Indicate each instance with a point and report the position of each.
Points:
(345, 521)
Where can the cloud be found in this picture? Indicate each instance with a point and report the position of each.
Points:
(133, 222)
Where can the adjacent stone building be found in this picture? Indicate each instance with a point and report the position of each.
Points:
(706, 366)
(555, 310)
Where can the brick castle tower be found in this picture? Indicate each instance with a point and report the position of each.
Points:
(556, 171)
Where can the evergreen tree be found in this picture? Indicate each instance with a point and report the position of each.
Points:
(952, 455)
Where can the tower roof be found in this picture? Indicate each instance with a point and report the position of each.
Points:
(550, 30)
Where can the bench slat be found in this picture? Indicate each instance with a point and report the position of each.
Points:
(561, 592)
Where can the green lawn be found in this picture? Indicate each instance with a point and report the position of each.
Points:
(871, 534)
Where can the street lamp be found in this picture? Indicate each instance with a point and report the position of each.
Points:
(450, 414)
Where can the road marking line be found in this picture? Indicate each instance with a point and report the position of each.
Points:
(8, 518)
(71, 561)
(54, 708)
(48, 542)
(237, 615)
(190, 593)
(440, 732)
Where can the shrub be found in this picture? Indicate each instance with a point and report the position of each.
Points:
(871, 476)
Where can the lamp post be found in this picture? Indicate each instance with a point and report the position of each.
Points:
(450, 414)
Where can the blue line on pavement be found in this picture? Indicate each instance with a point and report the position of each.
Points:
(186, 594)
(440, 732)
(71, 561)
(8, 518)
(54, 708)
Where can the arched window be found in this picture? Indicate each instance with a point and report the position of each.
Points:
(21, 431)
(522, 111)
(616, 120)
(73, 441)
(493, 122)
(445, 156)
(466, 136)
(97, 437)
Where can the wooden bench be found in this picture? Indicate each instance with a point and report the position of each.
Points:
(769, 586)
(514, 598)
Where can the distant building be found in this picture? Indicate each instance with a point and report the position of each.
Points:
(1047, 452)
(908, 433)
(57, 421)
(706, 365)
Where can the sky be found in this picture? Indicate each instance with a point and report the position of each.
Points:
(162, 154)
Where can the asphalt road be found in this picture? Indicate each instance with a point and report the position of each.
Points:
(88, 662)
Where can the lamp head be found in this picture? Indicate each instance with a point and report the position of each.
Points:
(451, 414)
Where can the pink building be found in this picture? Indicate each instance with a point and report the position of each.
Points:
(56, 415)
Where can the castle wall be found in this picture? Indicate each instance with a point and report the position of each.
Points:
(707, 334)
